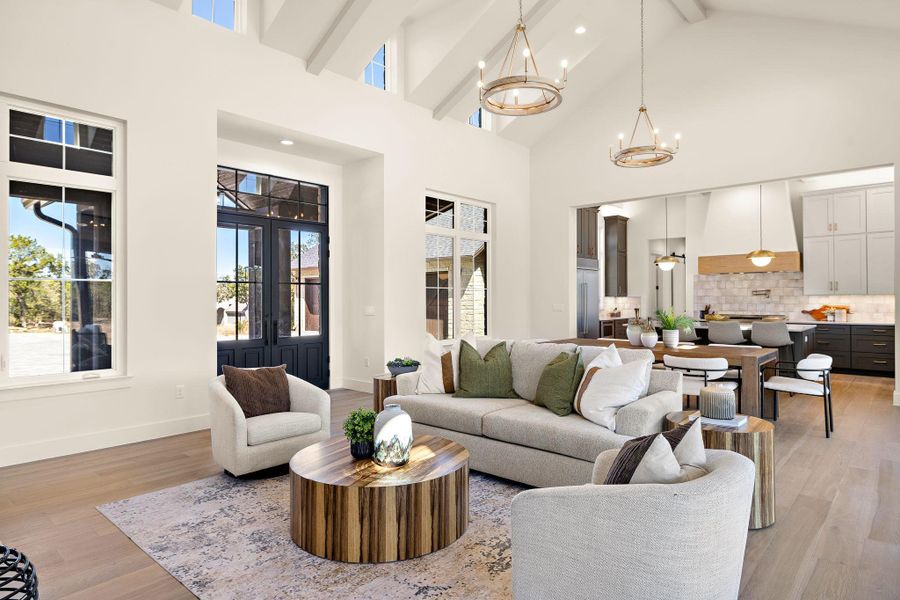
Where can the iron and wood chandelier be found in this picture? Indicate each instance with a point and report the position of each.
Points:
(524, 93)
(652, 152)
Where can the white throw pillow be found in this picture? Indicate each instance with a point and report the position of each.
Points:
(603, 391)
(661, 464)
(439, 373)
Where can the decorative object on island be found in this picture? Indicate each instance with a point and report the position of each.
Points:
(393, 436)
(18, 578)
(668, 261)
(761, 258)
(399, 366)
(634, 330)
(649, 337)
(821, 313)
(520, 94)
(359, 428)
(707, 310)
(639, 154)
(717, 402)
(671, 324)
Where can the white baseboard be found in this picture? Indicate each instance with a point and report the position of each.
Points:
(95, 440)
(897, 397)
(358, 385)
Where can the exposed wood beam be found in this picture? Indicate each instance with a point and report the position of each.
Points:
(691, 10)
(466, 84)
(336, 34)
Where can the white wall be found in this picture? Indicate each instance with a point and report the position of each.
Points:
(166, 75)
(756, 98)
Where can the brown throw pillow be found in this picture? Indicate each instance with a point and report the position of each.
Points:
(632, 452)
(259, 391)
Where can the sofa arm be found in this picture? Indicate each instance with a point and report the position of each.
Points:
(227, 424)
(664, 380)
(305, 397)
(407, 383)
(602, 465)
(646, 415)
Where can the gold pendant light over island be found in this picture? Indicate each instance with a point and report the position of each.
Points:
(761, 258)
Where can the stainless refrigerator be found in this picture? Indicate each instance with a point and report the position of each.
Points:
(588, 302)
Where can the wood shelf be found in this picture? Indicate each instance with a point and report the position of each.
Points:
(784, 262)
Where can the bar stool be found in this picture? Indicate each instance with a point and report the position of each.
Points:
(698, 373)
(688, 334)
(812, 378)
(725, 332)
(772, 335)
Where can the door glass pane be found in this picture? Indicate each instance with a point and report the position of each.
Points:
(312, 212)
(258, 205)
(285, 209)
(305, 264)
(249, 253)
(226, 243)
(249, 311)
(288, 248)
(439, 286)
(310, 309)
(473, 286)
(287, 189)
(287, 310)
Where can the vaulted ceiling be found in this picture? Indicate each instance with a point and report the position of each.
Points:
(441, 41)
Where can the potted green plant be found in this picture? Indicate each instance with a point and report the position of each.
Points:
(671, 324)
(649, 337)
(402, 365)
(359, 427)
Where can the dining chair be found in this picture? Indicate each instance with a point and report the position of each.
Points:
(772, 335)
(698, 373)
(811, 377)
(725, 332)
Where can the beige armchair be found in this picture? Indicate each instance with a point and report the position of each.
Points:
(604, 542)
(241, 445)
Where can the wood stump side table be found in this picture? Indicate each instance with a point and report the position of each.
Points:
(359, 512)
(383, 386)
(756, 441)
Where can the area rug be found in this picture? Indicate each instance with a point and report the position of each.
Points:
(228, 538)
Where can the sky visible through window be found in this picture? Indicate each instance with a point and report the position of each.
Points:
(376, 71)
(475, 118)
(220, 12)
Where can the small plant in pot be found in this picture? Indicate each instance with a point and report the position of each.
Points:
(649, 337)
(671, 324)
(398, 366)
(359, 427)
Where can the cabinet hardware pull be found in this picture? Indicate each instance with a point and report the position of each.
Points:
(835, 286)
(879, 331)
(829, 227)
(824, 343)
(879, 345)
(880, 362)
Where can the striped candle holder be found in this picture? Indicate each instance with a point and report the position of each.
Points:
(717, 402)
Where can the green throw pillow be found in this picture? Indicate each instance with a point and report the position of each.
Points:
(559, 382)
(490, 377)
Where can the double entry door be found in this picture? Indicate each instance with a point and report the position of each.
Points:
(272, 295)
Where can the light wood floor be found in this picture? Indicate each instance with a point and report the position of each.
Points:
(837, 534)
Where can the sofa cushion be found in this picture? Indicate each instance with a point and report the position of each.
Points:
(278, 426)
(457, 414)
(528, 362)
(533, 426)
(559, 382)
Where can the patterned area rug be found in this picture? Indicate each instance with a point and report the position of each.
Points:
(228, 538)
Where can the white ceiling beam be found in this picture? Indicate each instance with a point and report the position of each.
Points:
(691, 11)
(336, 35)
(173, 4)
(466, 85)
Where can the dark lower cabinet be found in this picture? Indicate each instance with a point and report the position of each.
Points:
(857, 347)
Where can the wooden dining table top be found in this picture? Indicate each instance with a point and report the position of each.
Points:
(734, 355)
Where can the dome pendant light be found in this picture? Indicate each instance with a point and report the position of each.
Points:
(761, 258)
(666, 262)
(651, 151)
(523, 93)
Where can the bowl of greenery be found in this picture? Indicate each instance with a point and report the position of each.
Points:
(359, 428)
(398, 366)
(671, 324)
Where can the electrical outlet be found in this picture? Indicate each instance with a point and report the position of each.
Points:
(366, 362)
(179, 392)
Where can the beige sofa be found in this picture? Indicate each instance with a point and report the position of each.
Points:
(514, 439)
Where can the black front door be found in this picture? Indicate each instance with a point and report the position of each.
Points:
(272, 295)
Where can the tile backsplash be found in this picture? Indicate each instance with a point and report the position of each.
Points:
(733, 293)
(626, 304)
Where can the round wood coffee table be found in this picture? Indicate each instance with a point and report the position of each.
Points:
(357, 511)
(755, 440)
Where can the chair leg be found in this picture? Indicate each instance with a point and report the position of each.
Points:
(830, 408)
(775, 405)
(825, 405)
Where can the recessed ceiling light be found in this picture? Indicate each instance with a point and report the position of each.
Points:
(287, 142)
(580, 29)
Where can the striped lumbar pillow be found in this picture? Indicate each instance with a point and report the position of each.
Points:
(674, 456)
(439, 373)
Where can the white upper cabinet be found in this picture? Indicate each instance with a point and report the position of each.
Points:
(880, 262)
(880, 209)
(817, 274)
(817, 215)
(849, 264)
(848, 212)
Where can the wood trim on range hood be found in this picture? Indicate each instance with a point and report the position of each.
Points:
(784, 262)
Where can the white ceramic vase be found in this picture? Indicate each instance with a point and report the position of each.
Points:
(634, 334)
(649, 339)
(393, 436)
(670, 338)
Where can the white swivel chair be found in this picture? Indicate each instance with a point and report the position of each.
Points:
(697, 373)
(812, 377)
(241, 445)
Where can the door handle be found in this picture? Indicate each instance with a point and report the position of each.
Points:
(274, 331)
(265, 332)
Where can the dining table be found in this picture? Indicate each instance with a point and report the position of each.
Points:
(749, 360)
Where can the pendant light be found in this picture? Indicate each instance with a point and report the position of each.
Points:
(651, 151)
(761, 258)
(666, 262)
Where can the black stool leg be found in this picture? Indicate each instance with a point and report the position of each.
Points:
(825, 405)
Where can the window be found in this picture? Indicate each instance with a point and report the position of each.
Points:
(456, 267)
(480, 119)
(269, 196)
(220, 12)
(376, 72)
(61, 277)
